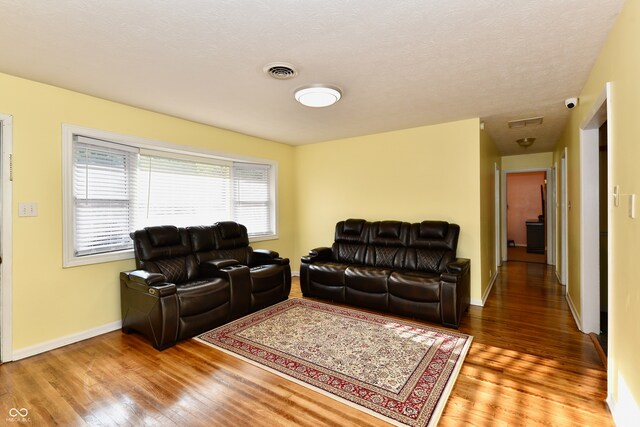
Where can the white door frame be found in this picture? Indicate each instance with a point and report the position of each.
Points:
(590, 213)
(564, 223)
(548, 207)
(551, 221)
(6, 127)
(496, 214)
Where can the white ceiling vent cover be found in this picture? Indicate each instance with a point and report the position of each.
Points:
(280, 70)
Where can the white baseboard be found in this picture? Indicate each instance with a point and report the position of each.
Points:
(295, 273)
(481, 302)
(62, 341)
(574, 312)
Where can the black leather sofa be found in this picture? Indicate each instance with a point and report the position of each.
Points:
(397, 267)
(190, 280)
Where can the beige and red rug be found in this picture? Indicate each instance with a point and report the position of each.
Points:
(399, 371)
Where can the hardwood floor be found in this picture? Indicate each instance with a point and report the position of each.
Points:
(528, 365)
(519, 253)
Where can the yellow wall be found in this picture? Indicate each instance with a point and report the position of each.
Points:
(528, 161)
(618, 63)
(50, 302)
(488, 159)
(425, 173)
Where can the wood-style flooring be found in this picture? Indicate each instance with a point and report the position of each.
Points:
(519, 253)
(528, 365)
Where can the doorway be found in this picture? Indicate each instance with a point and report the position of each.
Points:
(6, 144)
(527, 225)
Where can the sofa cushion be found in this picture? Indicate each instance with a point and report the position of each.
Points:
(230, 234)
(415, 286)
(267, 277)
(174, 269)
(433, 229)
(164, 235)
(367, 279)
(437, 235)
(353, 227)
(202, 238)
(198, 297)
(329, 273)
(148, 244)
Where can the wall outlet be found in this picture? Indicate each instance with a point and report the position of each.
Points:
(28, 209)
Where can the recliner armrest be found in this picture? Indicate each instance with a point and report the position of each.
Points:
(455, 291)
(151, 283)
(212, 268)
(266, 252)
(458, 265)
(267, 257)
(145, 277)
(317, 254)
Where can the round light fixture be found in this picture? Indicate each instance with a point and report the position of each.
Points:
(525, 142)
(318, 96)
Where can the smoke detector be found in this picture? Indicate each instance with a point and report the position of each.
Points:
(280, 70)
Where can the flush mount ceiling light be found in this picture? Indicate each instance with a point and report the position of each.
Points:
(318, 96)
(525, 142)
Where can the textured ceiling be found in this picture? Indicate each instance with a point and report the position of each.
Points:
(400, 64)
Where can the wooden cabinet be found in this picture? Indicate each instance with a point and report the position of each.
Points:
(535, 236)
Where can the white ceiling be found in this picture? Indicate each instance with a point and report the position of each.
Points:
(400, 64)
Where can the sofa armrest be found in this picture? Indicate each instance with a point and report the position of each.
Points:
(317, 254)
(455, 291)
(458, 265)
(149, 305)
(267, 257)
(261, 253)
(151, 283)
(212, 268)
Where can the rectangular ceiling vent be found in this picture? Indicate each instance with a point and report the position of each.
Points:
(520, 123)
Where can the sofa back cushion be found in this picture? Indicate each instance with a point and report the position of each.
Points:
(387, 244)
(164, 249)
(350, 241)
(224, 240)
(432, 245)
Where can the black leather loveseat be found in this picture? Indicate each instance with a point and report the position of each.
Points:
(190, 280)
(406, 269)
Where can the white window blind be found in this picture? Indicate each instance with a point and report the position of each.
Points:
(252, 197)
(118, 188)
(183, 192)
(104, 178)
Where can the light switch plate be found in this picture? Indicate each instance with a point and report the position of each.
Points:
(28, 209)
(632, 206)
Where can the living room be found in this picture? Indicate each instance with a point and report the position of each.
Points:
(408, 174)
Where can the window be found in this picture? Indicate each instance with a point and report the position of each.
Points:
(115, 184)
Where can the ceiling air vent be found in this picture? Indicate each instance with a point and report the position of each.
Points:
(520, 123)
(281, 71)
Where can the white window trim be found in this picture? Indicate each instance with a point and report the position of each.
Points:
(157, 146)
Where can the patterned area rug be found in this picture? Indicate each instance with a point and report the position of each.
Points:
(398, 371)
